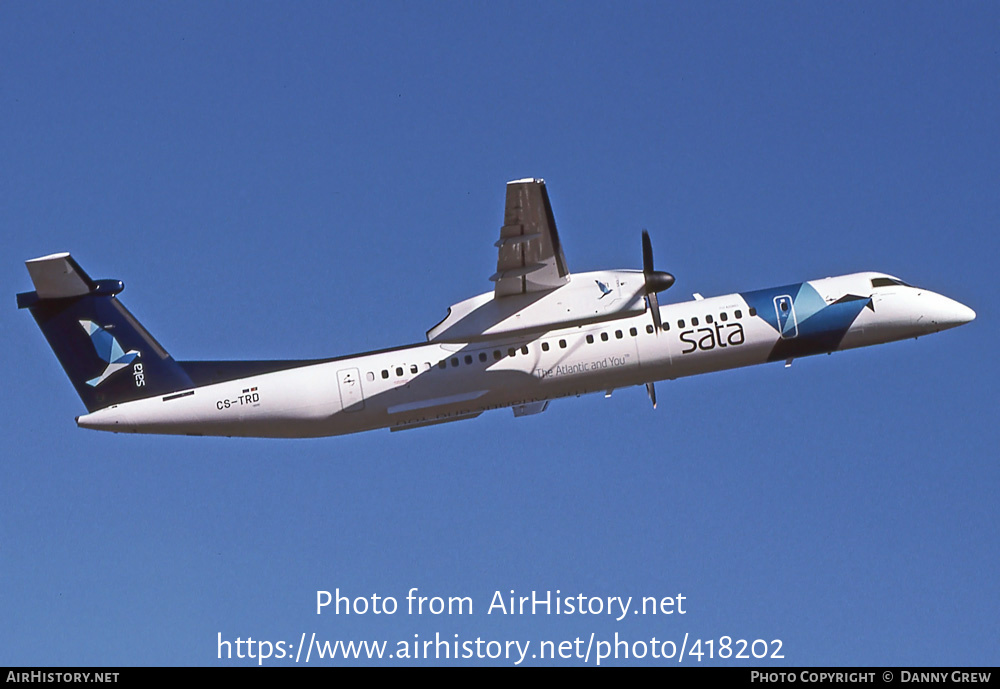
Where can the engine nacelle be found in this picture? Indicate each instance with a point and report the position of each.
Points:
(601, 295)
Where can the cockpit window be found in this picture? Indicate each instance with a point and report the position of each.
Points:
(888, 282)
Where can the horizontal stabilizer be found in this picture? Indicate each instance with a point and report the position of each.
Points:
(58, 276)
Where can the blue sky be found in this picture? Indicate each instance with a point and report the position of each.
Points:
(317, 179)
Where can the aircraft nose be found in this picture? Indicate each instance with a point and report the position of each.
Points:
(963, 314)
(948, 313)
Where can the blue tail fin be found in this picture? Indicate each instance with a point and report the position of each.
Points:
(107, 354)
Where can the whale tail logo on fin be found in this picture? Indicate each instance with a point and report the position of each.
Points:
(109, 350)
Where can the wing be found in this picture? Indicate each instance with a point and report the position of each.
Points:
(530, 257)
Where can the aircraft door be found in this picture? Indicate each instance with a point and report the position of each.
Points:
(784, 307)
(351, 396)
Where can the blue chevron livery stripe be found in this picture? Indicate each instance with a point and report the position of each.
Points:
(804, 322)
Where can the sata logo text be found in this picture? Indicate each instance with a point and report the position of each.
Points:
(721, 335)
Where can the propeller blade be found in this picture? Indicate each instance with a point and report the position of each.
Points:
(655, 280)
(652, 393)
(654, 307)
(647, 253)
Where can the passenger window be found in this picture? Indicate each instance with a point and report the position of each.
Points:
(708, 319)
(562, 344)
(739, 314)
(680, 323)
(399, 371)
(666, 326)
(633, 332)
(468, 359)
(524, 349)
(649, 328)
(442, 364)
(723, 316)
(370, 376)
(604, 337)
(753, 311)
(385, 373)
(618, 334)
(590, 339)
(454, 361)
(482, 356)
(497, 356)
(694, 321)
(413, 368)
(511, 352)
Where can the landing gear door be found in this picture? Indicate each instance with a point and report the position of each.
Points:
(784, 307)
(351, 396)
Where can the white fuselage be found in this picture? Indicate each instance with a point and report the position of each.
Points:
(435, 382)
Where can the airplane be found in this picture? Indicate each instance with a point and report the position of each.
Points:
(541, 334)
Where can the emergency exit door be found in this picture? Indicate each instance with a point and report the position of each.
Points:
(351, 396)
(784, 307)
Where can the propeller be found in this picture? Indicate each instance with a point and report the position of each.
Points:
(656, 281)
(651, 391)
